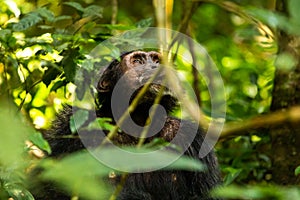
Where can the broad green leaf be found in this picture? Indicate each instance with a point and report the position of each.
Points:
(275, 20)
(78, 119)
(37, 139)
(69, 64)
(232, 175)
(93, 10)
(75, 5)
(297, 171)
(13, 134)
(46, 14)
(50, 74)
(79, 173)
(5, 34)
(144, 23)
(131, 159)
(58, 85)
(27, 21)
(100, 124)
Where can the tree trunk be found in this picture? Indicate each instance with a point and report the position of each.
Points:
(286, 139)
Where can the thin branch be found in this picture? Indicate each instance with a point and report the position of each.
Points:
(273, 119)
(240, 11)
(194, 71)
(114, 11)
(187, 16)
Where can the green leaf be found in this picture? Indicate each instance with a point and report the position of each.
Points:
(13, 7)
(232, 175)
(58, 85)
(27, 21)
(275, 20)
(75, 5)
(50, 74)
(69, 64)
(79, 173)
(100, 124)
(131, 159)
(297, 171)
(144, 23)
(37, 139)
(62, 17)
(93, 10)
(13, 135)
(294, 8)
(5, 34)
(45, 27)
(18, 192)
(46, 14)
(78, 119)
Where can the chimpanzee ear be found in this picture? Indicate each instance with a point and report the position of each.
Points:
(108, 78)
(105, 82)
(104, 86)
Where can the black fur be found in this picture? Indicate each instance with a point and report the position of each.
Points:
(163, 184)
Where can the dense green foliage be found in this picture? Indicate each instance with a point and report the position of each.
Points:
(43, 45)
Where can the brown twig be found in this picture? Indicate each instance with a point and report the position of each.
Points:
(292, 116)
(194, 71)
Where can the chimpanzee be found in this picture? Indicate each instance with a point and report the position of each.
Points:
(161, 184)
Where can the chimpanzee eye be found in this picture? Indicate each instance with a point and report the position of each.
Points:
(137, 61)
(156, 59)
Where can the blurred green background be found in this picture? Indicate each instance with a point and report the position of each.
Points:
(252, 43)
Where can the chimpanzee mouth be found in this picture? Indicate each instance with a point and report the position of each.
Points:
(154, 91)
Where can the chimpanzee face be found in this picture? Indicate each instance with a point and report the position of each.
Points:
(136, 69)
(142, 65)
(139, 58)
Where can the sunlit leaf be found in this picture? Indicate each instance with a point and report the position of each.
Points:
(13, 134)
(297, 171)
(62, 17)
(232, 175)
(37, 139)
